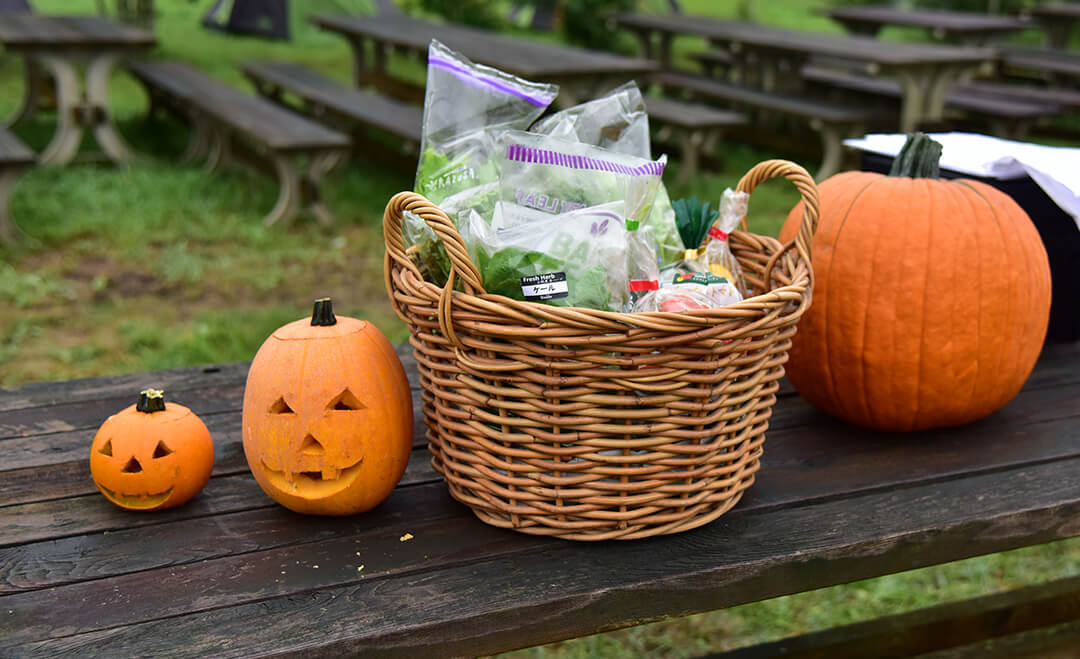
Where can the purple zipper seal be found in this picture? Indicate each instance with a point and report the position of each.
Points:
(480, 81)
(522, 153)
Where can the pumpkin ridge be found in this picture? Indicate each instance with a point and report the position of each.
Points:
(1025, 319)
(830, 375)
(929, 196)
(1009, 322)
(978, 318)
(867, 408)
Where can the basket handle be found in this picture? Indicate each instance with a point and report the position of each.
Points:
(460, 263)
(811, 211)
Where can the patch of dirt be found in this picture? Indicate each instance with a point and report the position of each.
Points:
(108, 279)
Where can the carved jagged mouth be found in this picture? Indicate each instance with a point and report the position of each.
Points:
(144, 501)
(314, 484)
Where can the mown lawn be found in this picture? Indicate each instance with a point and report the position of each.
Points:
(159, 265)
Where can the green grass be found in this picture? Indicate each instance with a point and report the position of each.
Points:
(158, 265)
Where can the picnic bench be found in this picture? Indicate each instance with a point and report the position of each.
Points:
(1008, 117)
(231, 573)
(925, 71)
(228, 122)
(349, 109)
(954, 26)
(1060, 67)
(833, 121)
(15, 158)
(581, 74)
(59, 46)
(1057, 20)
(695, 127)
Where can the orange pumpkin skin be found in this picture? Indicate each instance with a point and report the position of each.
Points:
(328, 420)
(931, 302)
(151, 460)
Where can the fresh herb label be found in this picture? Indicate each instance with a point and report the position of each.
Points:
(546, 286)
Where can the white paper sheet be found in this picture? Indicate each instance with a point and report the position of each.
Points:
(1055, 169)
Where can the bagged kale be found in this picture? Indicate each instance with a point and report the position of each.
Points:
(618, 122)
(579, 258)
(467, 108)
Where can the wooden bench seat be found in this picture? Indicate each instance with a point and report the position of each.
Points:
(1065, 98)
(229, 122)
(1008, 117)
(15, 158)
(697, 128)
(832, 120)
(323, 97)
(1059, 66)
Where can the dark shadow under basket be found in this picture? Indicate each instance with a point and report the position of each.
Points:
(593, 425)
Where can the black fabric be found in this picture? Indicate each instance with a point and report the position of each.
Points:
(1059, 233)
(264, 18)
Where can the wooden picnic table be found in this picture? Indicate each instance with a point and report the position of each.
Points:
(954, 26)
(231, 573)
(60, 45)
(1057, 20)
(581, 74)
(925, 71)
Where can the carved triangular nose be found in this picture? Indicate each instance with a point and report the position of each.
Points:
(311, 446)
(132, 467)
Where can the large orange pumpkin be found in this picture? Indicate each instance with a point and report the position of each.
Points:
(328, 420)
(931, 297)
(151, 456)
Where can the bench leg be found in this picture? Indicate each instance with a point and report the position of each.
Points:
(290, 194)
(32, 94)
(199, 142)
(690, 143)
(321, 165)
(832, 139)
(97, 97)
(65, 143)
(9, 231)
(219, 149)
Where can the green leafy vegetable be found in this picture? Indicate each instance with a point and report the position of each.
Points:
(693, 219)
(502, 272)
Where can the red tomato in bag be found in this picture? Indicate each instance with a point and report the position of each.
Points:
(678, 303)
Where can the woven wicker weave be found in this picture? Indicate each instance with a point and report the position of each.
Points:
(592, 425)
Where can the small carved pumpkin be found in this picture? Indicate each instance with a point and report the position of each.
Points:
(151, 455)
(931, 297)
(328, 418)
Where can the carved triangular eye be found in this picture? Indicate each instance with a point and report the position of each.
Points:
(346, 400)
(106, 449)
(281, 407)
(132, 467)
(160, 451)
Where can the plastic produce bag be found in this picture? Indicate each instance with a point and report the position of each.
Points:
(556, 176)
(618, 122)
(721, 262)
(574, 259)
(467, 107)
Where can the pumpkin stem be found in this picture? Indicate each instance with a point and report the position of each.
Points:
(323, 313)
(151, 400)
(920, 158)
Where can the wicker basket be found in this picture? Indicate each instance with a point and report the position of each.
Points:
(593, 425)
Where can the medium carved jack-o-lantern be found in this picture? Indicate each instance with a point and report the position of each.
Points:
(327, 415)
(151, 455)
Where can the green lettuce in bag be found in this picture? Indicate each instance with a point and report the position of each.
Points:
(573, 259)
(467, 108)
(618, 122)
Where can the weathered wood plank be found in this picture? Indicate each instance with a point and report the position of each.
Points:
(61, 518)
(568, 589)
(96, 555)
(950, 625)
(325, 552)
(48, 394)
(813, 458)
